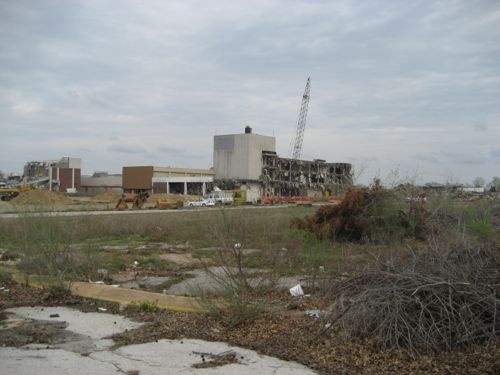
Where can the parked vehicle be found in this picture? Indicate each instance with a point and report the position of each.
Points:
(201, 203)
(221, 197)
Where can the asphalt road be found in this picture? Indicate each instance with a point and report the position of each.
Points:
(132, 212)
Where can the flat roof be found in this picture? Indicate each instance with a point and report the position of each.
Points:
(183, 170)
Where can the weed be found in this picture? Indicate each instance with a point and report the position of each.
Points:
(5, 277)
(148, 306)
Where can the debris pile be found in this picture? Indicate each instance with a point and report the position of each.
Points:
(41, 197)
(438, 300)
(369, 214)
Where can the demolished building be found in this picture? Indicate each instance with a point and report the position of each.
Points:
(56, 175)
(249, 162)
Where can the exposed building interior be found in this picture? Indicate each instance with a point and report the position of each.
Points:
(57, 175)
(291, 177)
(249, 162)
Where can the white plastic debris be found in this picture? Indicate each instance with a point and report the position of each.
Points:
(296, 291)
(136, 263)
(312, 313)
(102, 309)
(96, 282)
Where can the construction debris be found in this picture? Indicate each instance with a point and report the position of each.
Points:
(297, 291)
(216, 360)
(291, 177)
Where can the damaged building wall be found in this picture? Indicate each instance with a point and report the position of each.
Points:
(291, 177)
(249, 162)
(57, 175)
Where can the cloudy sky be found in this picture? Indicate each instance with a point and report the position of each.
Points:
(398, 88)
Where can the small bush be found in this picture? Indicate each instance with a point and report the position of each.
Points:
(5, 277)
(241, 291)
(148, 306)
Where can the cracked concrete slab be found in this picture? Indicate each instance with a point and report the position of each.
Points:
(93, 325)
(204, 282)
(162, 357)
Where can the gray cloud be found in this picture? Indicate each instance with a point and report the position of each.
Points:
(130, 149)
(393, 83)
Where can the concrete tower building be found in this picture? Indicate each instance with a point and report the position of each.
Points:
(239, 156)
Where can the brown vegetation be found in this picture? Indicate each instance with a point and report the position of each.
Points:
(369, 214)
(440, 298)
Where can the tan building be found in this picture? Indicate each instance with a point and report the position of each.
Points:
(167, 180)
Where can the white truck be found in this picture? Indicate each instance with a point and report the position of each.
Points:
(221, 197)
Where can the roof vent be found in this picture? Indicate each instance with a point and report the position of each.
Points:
(248, 130)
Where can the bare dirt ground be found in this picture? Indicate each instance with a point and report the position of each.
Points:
(288, 336)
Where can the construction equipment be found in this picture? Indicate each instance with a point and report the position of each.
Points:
(239, 197)
(137, 201)
(301, 124)
(7, 193)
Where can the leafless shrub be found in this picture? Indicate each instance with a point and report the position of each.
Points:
(438, 299)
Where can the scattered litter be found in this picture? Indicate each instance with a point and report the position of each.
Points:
(96, 282)
(2, 288)
(216, 360)
(115, 285)
(102, 271)
(297, 291)
(312, 313)
(54, 316)
(102, 309)
(6, 290)
(328, 325)
(136, 263)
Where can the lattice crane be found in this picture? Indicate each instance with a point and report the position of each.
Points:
(301, 124)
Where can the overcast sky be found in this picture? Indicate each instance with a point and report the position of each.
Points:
(405, 86)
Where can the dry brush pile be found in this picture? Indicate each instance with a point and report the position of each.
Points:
(369, 214)
(439, 299)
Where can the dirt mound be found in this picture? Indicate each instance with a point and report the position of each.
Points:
(172, 198)
(41, 197)
(110, 196)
